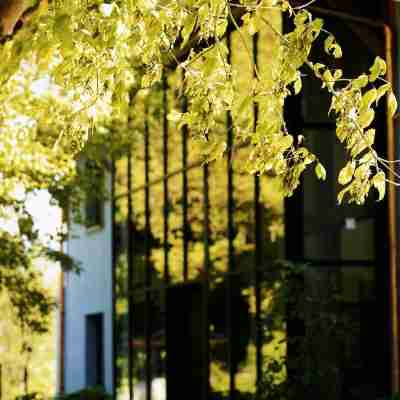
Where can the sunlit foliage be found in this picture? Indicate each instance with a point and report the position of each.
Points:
(75, 75)
(75, 66)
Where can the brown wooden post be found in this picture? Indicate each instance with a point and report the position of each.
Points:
(392, 225)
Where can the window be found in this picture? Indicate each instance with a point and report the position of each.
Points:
(94, 195)
(94, 350)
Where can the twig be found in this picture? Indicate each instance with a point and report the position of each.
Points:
(243, 41)
(305, 5)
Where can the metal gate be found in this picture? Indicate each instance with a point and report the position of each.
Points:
(196, 287)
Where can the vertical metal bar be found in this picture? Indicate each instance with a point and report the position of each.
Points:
(26, 379)
(184, 187)
(147, 259)
(258, 244)
(392, 227)
(129, 228)
(231, 234)
(206, 286)
(165, 181)
(113, 281)
(166, 194)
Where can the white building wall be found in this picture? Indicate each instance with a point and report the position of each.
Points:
(88, 293)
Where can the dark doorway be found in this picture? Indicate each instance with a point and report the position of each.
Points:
(184, 341)
(94, 350)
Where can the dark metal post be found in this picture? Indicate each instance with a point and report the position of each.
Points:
(26, 389)
(206, 285)
(231, 249)
(258, 244)
(184, 187)
(165, 181)
(129, 227)
(147, 261)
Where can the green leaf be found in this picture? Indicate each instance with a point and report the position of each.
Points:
(328, 79)
(342, 132)
(360, 82)
(63, 32)
(370, 136)
(328, 43)
(317, 67)
(366, 117)
(190, 23)
(341, 194)
(221, 27)
(338, 74)
(366, 158)
(252, 26)
(337, 51)
(297, 85)
(358, 148)
(379, 182)
(368, 98)
(377, 69)
(285, 142)
(392, 104)
(175, 116)
(244, 105)
(382, 90)
(332, 47)
(346, 174)
(320, 171)
(302, 17)
(315, 28)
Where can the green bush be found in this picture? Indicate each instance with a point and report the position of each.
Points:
(30, 396)
(95, 393)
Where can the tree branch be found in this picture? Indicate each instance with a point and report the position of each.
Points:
(11, 12)
(14, 11)
(196, 44)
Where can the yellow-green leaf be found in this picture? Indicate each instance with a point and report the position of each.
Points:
(328, 43)
(392, 104)
(366, 117)
(368, 98)
(320, 171)
(252, 26)
(328, 79)
(379, 182)
(370, 136)
(342, 133)
(341, 194)
(332, 47)
(175, 116)
(338, 74)
(382, 90)
(337, 51)
(360, 82)
(302, 17)
(377, 69)
(317, 67)
(285, 142)
(366, 158)
(188, 27)
(297, 85)
(244, 105)
(346, 173)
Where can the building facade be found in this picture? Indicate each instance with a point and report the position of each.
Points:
(203, 282)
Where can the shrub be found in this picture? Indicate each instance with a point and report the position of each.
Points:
(30, 396)
(95, 393)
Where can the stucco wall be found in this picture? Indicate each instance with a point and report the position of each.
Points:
(87, 293)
